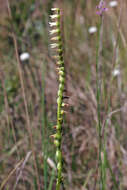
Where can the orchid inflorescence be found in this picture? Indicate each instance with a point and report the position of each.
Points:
(57, 46)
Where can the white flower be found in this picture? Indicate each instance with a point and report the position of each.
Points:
(56, 38)
(55, 45)
(54, 31)
(116, 72)
(24, 56)
(54, 16)
(55, 9)
(113, 3)
(92, 29)
(53, 24)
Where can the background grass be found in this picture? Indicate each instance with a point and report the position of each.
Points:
(80, 146)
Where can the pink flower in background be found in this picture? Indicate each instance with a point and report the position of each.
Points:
(101, 8)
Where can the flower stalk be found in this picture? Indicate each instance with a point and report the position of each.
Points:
(57, 46)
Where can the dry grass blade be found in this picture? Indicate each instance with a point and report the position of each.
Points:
(10, 174)
(22, 168)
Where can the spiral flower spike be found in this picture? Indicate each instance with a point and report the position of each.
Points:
(57, 46)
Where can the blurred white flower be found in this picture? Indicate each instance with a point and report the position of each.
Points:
(24, 56)
(116, 72)
(55, 9)
(113, 3)
(53, 24)
(92, 29)
(81, 19)
(55, 45)
(54, 31)
(54, 16)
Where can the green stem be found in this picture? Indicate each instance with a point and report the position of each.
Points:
(98, 97)
(44, 124)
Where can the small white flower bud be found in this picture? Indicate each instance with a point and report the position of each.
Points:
(92, 29)
(24, 56)
(55, 45)
(113, 3)
(116, 72)
(54, 31)
(54, 16)
(53, 24)
(55, 9)
(56, 38)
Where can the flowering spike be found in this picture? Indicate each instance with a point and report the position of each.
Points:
(56, 32)
(101, 8)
